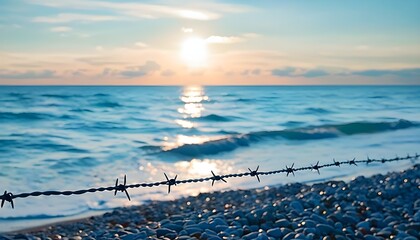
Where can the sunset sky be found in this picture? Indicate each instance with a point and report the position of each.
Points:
(91, 42)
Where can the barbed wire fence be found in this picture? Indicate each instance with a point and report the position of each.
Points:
(122, 187)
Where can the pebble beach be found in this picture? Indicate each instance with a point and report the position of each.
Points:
(377, 207)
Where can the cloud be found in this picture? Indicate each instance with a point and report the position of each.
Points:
(197, 15)
(140, 44)
(248, 72)
(256, 71)
(318, 72)
(203, 12)
(223, 40)
(167, 73)
(4, 74)
(405, 73)
(283, 72)
(299, 72)
(187, 30)
(99, 48)
(313, 73)
(69, 17)
(61, 29)
(140, 71)
(231, 39)
(100, 60)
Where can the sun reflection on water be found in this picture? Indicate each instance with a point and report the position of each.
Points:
(188, 169)
(192, 97)
(182, 140)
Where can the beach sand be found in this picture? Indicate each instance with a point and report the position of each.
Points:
(378, 207)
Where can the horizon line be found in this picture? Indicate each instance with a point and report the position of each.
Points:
(204, 85)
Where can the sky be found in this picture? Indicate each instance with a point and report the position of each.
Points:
(287, 42)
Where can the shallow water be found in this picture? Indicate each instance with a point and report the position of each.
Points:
(66, 138)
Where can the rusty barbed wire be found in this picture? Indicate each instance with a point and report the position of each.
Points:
(122, 187)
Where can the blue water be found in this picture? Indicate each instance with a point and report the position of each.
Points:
(67, 138)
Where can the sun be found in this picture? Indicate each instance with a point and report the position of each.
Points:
(194, 52)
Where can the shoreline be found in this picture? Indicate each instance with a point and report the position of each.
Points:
(54, 221)
(352, 207)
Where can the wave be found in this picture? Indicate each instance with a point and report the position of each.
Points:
(36, 217)
(101, 95)
(22, 116)
(20, 96)
(48, 145)
(313, 110)
(25, 116)
(80, 110)
(215, 118)
(245, 100)
(308, 133)
(70, 163)
(59, 96)
(107, 104)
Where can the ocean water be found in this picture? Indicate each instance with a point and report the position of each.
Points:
(68, 138)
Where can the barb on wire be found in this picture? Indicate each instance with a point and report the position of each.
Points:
(254, 173)
(316, 167)
(290, 170)
(368, 160)
(336, 163)
(122, 188)
(170, 182)
(216, 178)
(9, 197)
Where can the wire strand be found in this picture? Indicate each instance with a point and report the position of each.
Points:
(9, 197)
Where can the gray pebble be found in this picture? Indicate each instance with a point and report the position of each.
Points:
(136, 236)
(160, 232)
(324, 229)
(250, 236)
(289, 236)
(297, 206)
(275, 232)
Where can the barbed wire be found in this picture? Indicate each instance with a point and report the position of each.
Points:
(122, 187)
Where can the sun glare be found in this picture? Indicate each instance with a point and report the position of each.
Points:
(194, 52)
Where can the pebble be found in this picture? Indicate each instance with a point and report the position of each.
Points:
(282, 223)
(275, 232)
(297, 206)
(364, 224)
(137, 236)
(249, 236)
(160, 232)
(324, 229)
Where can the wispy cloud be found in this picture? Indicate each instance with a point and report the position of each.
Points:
(299, 72)
(70, 17)
(167, 73)
(221, 39)
(140, 71)
(319, 72)
(5, 74)
(283, 72)
(406, 73)
(142, 10)
(61, 29)
(187, 30)
(254, 72)
(140, 44)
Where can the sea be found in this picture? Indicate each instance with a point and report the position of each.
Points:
(79, 137)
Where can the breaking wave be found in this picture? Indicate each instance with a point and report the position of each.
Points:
(232, 142)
